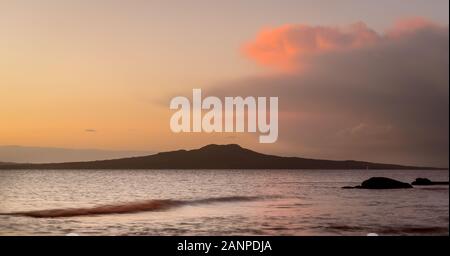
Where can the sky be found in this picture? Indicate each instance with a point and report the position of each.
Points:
(364, 80)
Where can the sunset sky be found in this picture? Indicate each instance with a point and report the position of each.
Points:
(364, 80)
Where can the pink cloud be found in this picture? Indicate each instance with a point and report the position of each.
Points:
(291, 47)
(408, 26)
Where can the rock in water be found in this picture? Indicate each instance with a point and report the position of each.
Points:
(427, 182)
(382, 183)
(422, 181)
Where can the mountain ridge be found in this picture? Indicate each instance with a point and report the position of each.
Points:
(213, 156)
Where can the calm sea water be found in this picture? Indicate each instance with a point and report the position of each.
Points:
(219, 202)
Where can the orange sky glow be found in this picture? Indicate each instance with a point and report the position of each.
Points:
(79, 75)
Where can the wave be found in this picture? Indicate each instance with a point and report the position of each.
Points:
(129, 207)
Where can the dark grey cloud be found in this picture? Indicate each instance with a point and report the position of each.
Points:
(388, 102)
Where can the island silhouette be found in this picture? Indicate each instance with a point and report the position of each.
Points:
(231, 156)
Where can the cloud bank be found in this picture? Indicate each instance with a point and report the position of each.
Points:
(291, 47)
(353, 93)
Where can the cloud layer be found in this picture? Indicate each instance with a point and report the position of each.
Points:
(292, 47)
(352, 93)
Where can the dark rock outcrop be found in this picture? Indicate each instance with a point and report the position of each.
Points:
(381, 183)
(427, 182)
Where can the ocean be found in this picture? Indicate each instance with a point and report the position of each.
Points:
(219, 202)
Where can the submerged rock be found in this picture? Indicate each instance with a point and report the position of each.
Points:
(427, 182)
(381, 183)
